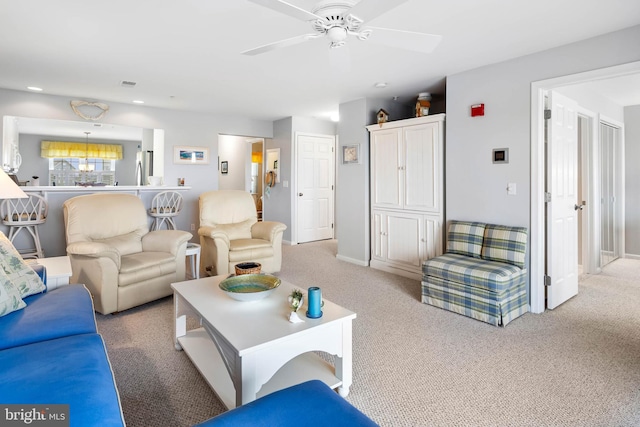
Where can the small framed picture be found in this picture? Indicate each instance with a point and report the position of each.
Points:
(190, 155)
(351, 154)
(224, 167)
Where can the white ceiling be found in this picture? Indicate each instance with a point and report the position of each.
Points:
(186, 54)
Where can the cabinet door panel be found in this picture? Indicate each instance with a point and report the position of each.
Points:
(403, 238)
(422, 171)
(385, 184)
(378, 240)
(432, 239)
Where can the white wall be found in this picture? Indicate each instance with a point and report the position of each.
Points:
(632, 179)
(594, 102)
(181, 128)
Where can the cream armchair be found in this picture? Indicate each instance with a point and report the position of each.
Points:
(230, 233)
(114, 254)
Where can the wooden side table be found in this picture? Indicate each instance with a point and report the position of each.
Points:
(58, 270)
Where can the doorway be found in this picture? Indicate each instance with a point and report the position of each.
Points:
(314, 192)
(538, 203)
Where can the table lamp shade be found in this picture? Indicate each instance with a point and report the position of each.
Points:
(9, 189)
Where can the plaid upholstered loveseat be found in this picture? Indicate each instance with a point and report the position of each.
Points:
(482, 274)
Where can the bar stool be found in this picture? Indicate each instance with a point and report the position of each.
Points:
(164, 207)
(25, 214)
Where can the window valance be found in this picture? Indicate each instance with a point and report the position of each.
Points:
(81, 150)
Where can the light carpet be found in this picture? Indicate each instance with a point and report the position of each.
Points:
(417, 365)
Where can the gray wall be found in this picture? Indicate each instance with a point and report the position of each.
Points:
(475, 187)
(632, 179)
(353, 214)
(181, 128)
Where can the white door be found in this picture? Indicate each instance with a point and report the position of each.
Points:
(562, 184)
(315, 166)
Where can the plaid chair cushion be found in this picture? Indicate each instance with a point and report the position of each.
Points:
(505, 244)
(478, 273)
(465, 238)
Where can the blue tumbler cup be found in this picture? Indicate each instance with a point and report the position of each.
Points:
(314, 302)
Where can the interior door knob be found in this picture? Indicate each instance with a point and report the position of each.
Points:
(578, 207)
(300, 194)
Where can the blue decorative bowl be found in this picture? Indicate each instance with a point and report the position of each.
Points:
(249, 287)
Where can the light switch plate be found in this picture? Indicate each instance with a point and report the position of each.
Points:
(511, 188)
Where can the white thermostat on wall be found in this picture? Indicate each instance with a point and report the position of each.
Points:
(500, 155)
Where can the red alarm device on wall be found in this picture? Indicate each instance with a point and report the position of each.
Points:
(477, 110)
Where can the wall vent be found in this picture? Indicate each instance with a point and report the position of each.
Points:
(126, 83)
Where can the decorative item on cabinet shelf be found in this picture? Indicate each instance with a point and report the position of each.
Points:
(422, 104)
(383, 117)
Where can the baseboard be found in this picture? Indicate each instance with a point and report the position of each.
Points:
(353, 260)
(391, 269)
(631, 256)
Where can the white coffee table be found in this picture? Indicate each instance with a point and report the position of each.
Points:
(246, 350)
(58, 270)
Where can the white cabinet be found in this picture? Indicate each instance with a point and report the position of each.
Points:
(407, 193)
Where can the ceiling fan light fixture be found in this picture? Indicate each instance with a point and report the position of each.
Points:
(380, 85)
(337, 34)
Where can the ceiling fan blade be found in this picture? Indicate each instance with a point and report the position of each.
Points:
(288, 9)
(408, 40)
(282, 43)
(371, 9)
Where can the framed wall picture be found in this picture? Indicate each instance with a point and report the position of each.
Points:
(351, 154)
(224, 167)
(187, 155)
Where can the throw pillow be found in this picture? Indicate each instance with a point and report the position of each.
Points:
(10, 300)
(505, 244)
(17, 271)
(465, 238)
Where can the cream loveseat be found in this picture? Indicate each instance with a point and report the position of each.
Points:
(114, 254)
(230, 233)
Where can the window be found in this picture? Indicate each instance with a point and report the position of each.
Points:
(73, 171)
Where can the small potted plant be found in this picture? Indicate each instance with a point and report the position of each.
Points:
(296, 299)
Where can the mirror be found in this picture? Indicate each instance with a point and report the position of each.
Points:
(143, 149)
(273, 160)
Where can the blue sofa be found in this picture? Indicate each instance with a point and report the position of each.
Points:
(51, 353)
(310, 404)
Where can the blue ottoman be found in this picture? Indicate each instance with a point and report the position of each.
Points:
(310, 404)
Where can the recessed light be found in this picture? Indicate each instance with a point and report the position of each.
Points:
(34, 88)
(135, 101)
(335, 117)
(380, 85)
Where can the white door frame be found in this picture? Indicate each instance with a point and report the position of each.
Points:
(537, 227)
(590, 193)
(294, 173)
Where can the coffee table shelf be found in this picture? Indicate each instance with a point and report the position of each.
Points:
(204, 355)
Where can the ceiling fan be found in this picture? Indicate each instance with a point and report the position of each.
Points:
(338, 19)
